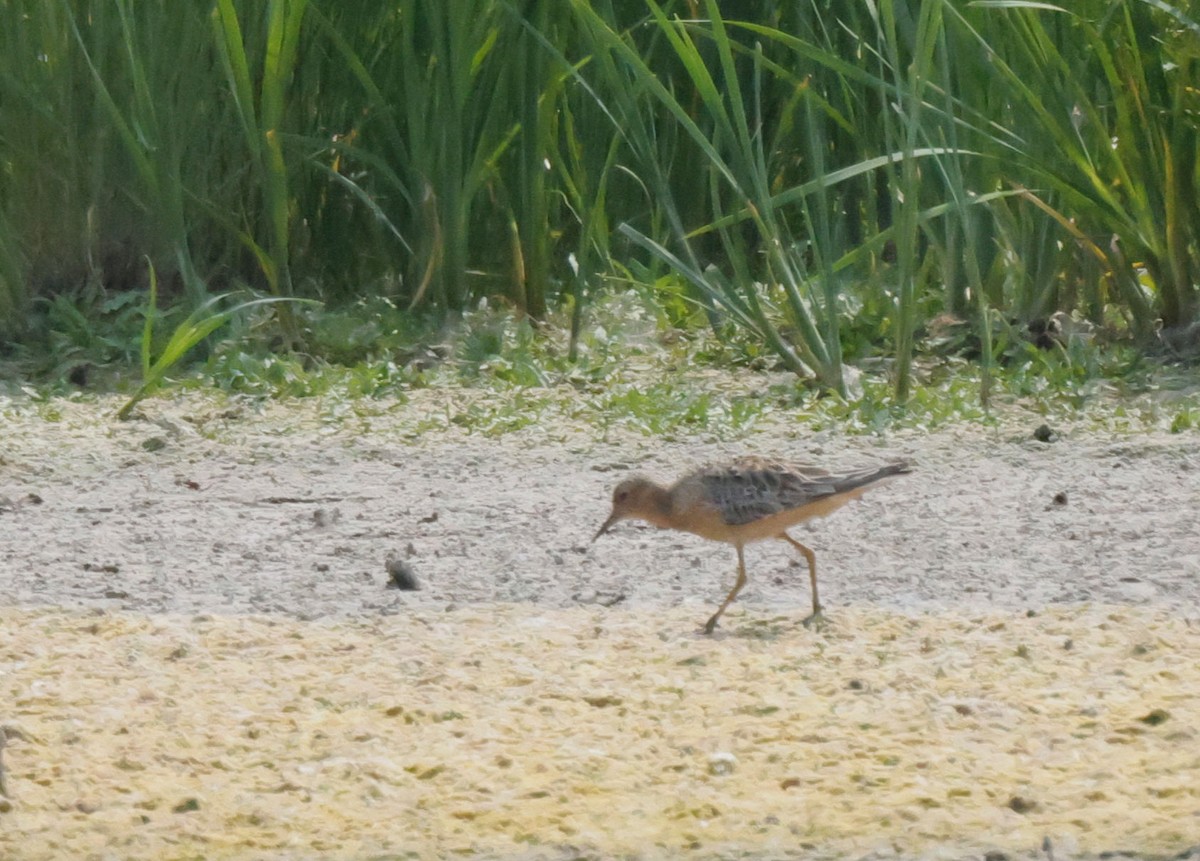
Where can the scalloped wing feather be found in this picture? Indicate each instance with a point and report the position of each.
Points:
(753, 488)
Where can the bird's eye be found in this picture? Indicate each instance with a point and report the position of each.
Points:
(622, 495)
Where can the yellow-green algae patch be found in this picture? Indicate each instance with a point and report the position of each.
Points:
(507, 730)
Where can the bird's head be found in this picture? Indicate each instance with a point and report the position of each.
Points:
(633, 497)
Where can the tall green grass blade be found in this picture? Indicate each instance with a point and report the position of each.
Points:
(201, 323)
(262, 124)
(148, 325)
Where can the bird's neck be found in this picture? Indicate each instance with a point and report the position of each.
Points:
(658, 509)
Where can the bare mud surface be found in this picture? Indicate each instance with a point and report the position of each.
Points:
(199, 657)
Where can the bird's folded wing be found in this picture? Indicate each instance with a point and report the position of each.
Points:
(743, 495)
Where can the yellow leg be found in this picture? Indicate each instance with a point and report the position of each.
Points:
(737, 587)
(816, 617)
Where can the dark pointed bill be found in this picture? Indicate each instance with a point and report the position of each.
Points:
(608, 524)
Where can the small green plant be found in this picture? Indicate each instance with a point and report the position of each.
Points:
(1185, 419)
(199, 325)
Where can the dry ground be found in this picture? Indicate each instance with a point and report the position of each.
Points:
(199, 659)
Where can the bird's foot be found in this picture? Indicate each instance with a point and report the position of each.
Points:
(711, 624)
(817, 621)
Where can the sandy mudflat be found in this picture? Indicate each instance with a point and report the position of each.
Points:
(198, 658)
(514, 731)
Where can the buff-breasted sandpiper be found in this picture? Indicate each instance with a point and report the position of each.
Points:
(746, 500)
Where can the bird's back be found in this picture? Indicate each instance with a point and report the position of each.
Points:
(754, 489)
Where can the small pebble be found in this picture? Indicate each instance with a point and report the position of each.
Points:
(721, 763)
(1044, 433)
(1017, 804)
(401, 576)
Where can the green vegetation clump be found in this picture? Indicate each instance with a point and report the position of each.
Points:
(855, 199)
(635, 372)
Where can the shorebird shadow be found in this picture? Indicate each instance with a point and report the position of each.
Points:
(753, 628)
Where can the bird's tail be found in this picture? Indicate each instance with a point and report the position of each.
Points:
(869, 475)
